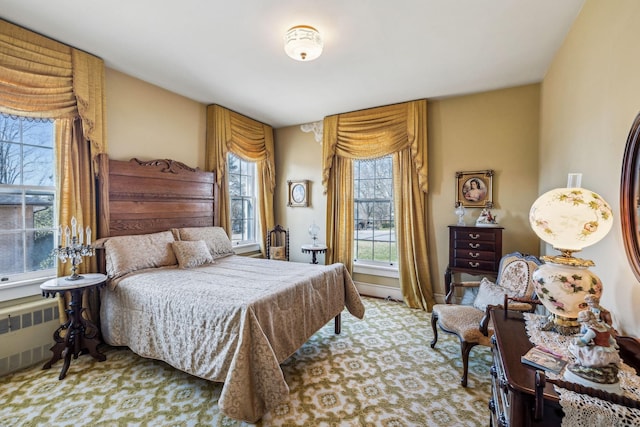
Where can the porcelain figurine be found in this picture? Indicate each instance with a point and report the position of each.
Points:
(596, 354)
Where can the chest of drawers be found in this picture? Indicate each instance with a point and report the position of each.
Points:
(473, 250)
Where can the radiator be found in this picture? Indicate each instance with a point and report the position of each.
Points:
(378, 291)
(26, 333)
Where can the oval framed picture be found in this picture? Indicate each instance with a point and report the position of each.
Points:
(298, 193)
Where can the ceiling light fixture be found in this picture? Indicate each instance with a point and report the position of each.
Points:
(303, 43)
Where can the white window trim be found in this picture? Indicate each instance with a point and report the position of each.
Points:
(375, 269)
(243, 248)
(24, 288)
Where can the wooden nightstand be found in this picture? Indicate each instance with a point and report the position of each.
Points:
(81, 335)
(473, 250)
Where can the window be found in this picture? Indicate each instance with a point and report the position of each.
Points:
(374, 228)
(242, 199)
(27, 198)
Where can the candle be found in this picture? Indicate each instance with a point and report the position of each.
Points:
(88, 236)
(81, 235)
(66, 236)
(74, 224)
(59, 235)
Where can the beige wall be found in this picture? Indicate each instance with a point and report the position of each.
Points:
(590, 97)
(494, 130)
(298, 156)
(148, 122)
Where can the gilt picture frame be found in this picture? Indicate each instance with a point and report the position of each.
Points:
(474, 189)
(298, 193)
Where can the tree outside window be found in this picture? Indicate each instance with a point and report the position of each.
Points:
(27, 197)
(374, 227)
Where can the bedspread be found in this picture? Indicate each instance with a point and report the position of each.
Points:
(234, 321)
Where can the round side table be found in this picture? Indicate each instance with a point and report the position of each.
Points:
(314, 250)
(81, 334)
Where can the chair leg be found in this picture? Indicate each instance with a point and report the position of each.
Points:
(465, 347)
(434, 326)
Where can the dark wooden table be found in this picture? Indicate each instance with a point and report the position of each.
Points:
(514, 382)
(78, 335)
(518, 380)
(314, 250)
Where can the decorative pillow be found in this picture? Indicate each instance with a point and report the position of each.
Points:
(278, 252)
(125, 254)
(192, 253)
(215, 237)
(489, 294)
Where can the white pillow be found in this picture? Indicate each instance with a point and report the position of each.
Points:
(192, 254)
(125, 254)
(489, 294)
(215, 237)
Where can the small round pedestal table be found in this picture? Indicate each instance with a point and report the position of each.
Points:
(314, 250)
(81, 335)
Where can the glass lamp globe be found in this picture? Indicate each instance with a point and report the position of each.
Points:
(569, 219)
(313, 232)
(460, 212)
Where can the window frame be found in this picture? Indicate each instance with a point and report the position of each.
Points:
(246, 245)
(26, 283)
(371, 266)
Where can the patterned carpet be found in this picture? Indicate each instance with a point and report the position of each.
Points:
(379, 371)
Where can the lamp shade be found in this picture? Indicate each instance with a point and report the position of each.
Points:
(570, 219)
(303, 43)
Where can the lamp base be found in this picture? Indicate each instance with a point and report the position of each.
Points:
(561, 325)
(607, 377)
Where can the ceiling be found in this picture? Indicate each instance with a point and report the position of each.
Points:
(376, 52)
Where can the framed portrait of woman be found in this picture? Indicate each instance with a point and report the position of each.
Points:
(474, 189)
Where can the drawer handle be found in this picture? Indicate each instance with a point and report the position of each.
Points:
(474, 236)
(504, 384)
(474, 254)
(474, 264)
(474, 245)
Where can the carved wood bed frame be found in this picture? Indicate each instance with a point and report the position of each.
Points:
(141, 197)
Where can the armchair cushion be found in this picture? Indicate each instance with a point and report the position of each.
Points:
(463, 321)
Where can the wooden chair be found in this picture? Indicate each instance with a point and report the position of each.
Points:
(278, 243)
(471, 323)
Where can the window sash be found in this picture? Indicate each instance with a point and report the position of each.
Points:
(242, 200)
(27, 200)
(374, 226)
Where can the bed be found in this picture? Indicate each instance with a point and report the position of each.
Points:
(177, 293)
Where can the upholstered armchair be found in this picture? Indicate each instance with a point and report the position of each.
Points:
(471, 322)
(278, 243)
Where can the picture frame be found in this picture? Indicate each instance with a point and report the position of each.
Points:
(474, 189)
(298, 193)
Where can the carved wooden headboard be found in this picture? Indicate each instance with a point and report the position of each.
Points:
(140, 197)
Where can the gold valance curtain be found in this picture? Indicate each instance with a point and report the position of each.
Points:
(228, 131)
(40, 77)
(399, 130)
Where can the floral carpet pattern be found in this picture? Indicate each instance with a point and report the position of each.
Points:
(380, 371)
